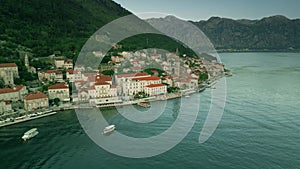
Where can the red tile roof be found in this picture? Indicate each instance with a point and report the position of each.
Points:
(10, 90)
(155, 85)
(102, 77)
(133, 75)
(142, 74)
(100, 82)
(147, 78)
(69, 61)
(37, 95)
(136, 68)
(50, 71)
(59, 86)
(125, 75)
(58, 72)
(8, 65)
(70, 71)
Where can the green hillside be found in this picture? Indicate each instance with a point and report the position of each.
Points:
(46, 26)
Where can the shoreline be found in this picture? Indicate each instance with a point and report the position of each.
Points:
(27, 119)
(54, 111)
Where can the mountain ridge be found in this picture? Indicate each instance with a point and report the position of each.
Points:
(274, 33)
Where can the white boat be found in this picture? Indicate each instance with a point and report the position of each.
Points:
(109, 129)
(30, 133)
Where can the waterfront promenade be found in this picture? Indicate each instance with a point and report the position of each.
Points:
(53, 111)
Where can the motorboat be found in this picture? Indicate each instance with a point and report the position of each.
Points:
(30, 133)
(109, 129)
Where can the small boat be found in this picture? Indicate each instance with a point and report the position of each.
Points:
(30, 133)
(109, 129)
(145, 105)
(228, 73)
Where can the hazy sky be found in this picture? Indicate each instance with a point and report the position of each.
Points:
(204, 9)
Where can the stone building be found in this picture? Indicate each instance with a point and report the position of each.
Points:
(35, 101)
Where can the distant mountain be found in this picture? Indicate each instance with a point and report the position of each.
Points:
(45, 26)
(275, 33)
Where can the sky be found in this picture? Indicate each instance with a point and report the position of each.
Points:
(204, 9)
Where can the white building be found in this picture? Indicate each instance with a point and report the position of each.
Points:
(73, 75)
(59, 63)
(83, 96)
(35, 101)
(103, 93)
(50, 75)
(9, 71)
(59, 90)
(122, 79)
(136, 85)
(59, 76)
(156, 89)
(68, 64)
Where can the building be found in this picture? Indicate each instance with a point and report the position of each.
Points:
(73, 75)
(103, 94)
(14, 94)
(35, 101)
(83, 96)
(68, 64)
(136, 85)
(50, 75)
(156, 89)
(102, 91)
(103, 78)
(59, 76)
(9, 71)
(168, 80)
(59, 63)
(59, 90)
(124, 79)
(5, 106)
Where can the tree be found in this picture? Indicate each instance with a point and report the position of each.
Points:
(202, 77)
(140, 95)
(173, 89)
(2, 84)
(56, 101)
(108, 72)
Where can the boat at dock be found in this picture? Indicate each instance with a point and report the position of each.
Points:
(228, 73)
(109, 129)
(145, 105)
(30, 133)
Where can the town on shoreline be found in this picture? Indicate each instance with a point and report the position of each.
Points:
(128, 78)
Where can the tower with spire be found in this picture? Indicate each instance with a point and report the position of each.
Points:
(29, 68)
(177, 63)
(26, 62)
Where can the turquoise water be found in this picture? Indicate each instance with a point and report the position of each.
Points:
(259, 129)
